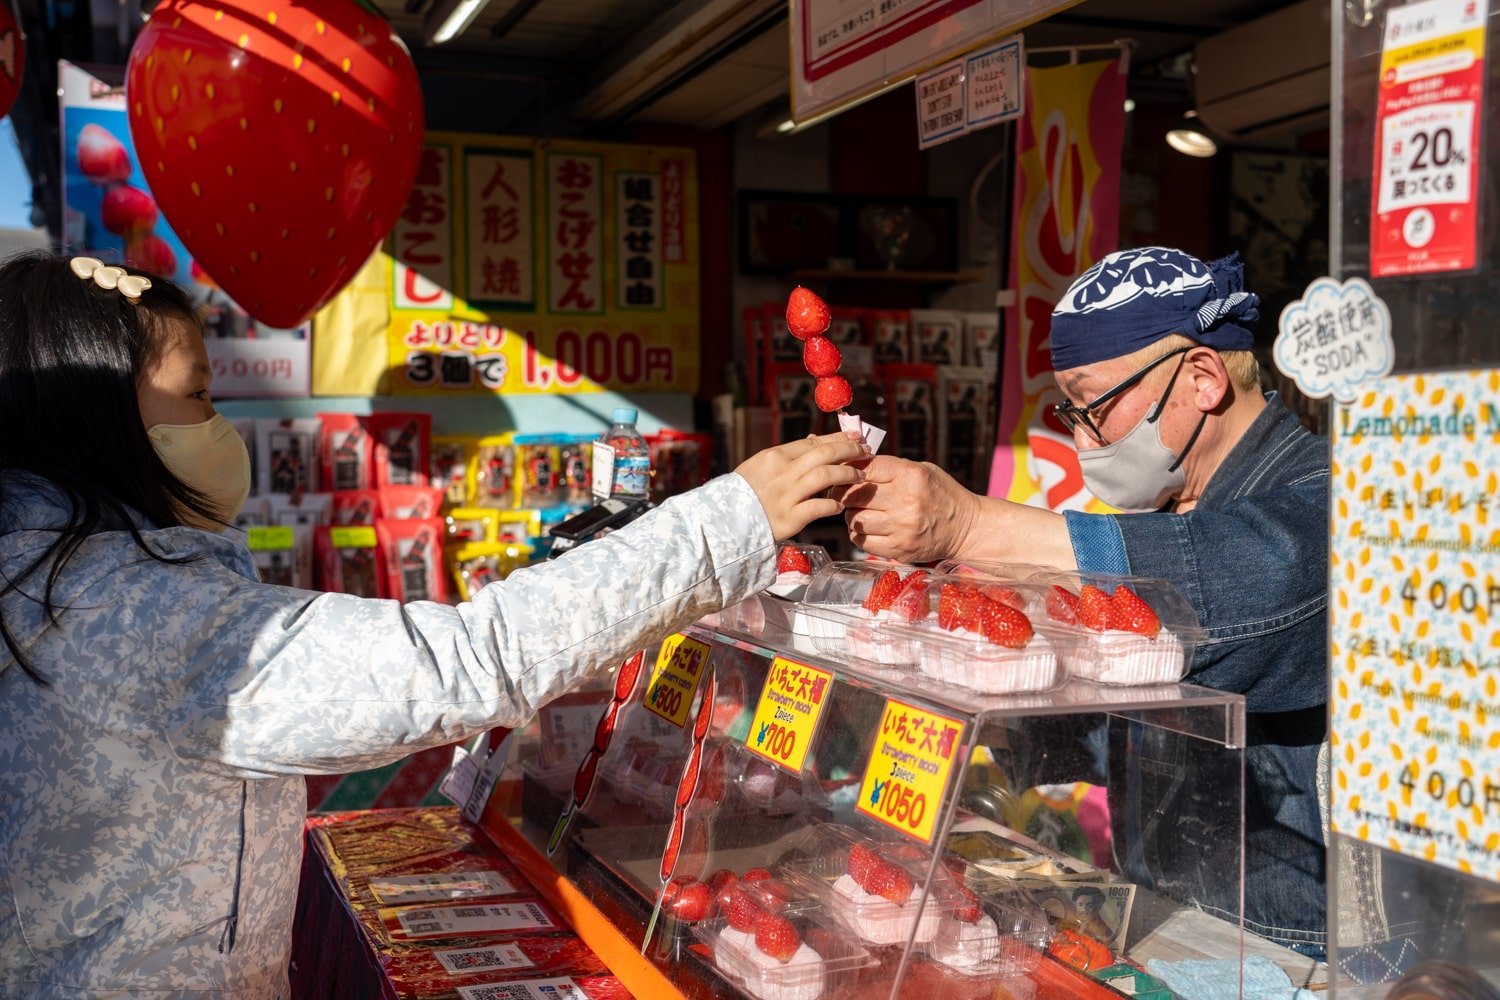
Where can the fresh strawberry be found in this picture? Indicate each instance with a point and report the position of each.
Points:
(862, 862)
(1093, 608)
(128, 211)
(887, 585)
(832, 393)
(102, 158)
(1063, 605)
(281, 140)
(755, 875)
(1005, 626)
(821, 357)
(911, 601)
(738, 908)
(806, 314)
(889, 881)
(1008, 596)
(1128, 612)
(965, 905)
(950, 606)
(776, 937)
(769, 893)
(792, 560)
(719, 879)
(688, 899)
(971, 610)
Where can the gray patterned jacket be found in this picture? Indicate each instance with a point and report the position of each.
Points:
(151, 799)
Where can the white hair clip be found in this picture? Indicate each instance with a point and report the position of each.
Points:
(109, 277)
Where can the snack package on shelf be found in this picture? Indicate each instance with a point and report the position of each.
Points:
(350, 561)
(413, 558)
(757, 329)
(478, 564)
(938, 336)
(911, 395)
(471, 524)
(964, 429)
(405, 502)
(889, 335)
(273, 549)
(348, 452)
(575, 468)
(255, 513)
(310, 508)
(1130, 630)
(495, 472)
(795, 412)
(537, 471)
(356, 507)
(781, 347)
(286, 454)
(518, 527)
(846, 327)
(403, 447)
(680, 461)
(960, 631)
(982, 337)
(453, 461)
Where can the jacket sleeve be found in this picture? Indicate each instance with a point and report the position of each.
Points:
(1255, 572)
(260, 680)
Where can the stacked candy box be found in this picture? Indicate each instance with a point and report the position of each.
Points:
(1128, 629)
(773, 941)
(969, 632)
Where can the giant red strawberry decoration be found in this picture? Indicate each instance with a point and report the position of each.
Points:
(280, 140)
(102, 158)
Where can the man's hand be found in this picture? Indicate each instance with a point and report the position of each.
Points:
(790, 480)
(908, 511)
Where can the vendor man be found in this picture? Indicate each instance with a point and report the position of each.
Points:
(1229, 501)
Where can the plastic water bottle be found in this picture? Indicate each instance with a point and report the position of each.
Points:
(632, 477)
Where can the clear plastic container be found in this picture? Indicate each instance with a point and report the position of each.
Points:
(834, 614)
(822, 958)
(792, 583)
(1008, 937)
(1116, 655)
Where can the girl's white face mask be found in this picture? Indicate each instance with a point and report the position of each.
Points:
(211, 458)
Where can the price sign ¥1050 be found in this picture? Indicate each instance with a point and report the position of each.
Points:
(786, 718)
(909, 767)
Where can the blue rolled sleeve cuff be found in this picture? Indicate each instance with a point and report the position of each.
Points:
(1098, 545)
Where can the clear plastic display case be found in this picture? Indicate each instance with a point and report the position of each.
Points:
(761, 812)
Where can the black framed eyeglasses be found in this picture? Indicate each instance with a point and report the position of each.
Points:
(1074, 417)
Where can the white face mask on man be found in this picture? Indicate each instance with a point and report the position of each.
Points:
(211, 458)
(1138, 472)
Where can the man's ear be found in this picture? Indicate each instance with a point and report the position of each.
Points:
(1209, 378)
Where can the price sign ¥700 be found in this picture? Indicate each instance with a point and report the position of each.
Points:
(908, 768)
(786, 718)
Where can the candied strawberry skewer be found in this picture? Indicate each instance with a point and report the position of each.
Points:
(686, 786)
(583, 781)
(808, 318)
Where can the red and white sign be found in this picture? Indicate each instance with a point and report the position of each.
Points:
(422, 239)
(575, 238)
(268, 368)
(500, 247)
(1424, 216)
(847, 51)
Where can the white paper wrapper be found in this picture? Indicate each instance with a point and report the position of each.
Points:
(869, 433)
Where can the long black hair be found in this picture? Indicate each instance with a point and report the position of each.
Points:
(71, 357)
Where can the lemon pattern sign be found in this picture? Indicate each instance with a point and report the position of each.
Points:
(1414, 602)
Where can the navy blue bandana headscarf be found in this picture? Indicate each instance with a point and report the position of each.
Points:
(1133, 298)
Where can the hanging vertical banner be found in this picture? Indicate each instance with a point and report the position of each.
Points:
(1426, 181)
(526, 266)
(1414, 564)
(1067, 207)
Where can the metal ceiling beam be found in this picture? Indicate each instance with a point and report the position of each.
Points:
(512, 17)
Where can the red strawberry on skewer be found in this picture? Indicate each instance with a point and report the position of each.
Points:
(821, 357)
(806, 314)
(833, 393)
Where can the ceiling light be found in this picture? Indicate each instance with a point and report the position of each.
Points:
(1191, 142)
(1129, 105)
(448, 19)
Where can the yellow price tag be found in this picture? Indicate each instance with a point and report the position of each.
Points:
(786, 718)
(674, 680)
(276, 538)
(908, 768)
(354, 536)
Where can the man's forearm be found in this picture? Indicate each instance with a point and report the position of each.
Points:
(1001, 531)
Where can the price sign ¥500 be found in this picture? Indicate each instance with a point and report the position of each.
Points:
(908, 768)
(674, 680)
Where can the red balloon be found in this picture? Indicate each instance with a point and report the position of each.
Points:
(280, 141)
(12, 59)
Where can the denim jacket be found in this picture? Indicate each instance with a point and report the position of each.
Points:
(1252, 559)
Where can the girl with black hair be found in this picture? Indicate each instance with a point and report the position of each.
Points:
(159, 707)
